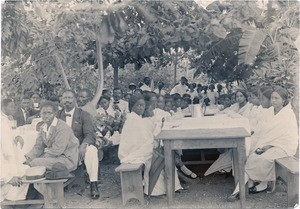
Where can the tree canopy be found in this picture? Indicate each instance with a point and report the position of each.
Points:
(45, 43)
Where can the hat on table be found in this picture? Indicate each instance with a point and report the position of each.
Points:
(58, 171)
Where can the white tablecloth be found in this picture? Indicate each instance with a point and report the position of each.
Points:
(209, 122)
(29, 134)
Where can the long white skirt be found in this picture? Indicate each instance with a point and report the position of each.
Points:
(262, 167)
(160, 186)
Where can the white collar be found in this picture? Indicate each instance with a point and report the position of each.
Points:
(71, 112)
(54, 123)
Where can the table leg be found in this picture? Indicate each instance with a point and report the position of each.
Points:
(241, 161)
(235, 166)
(169, 171)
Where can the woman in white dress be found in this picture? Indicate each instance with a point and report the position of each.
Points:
(137, 143)
(276, 138)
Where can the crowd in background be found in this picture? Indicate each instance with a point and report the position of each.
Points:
(74, 127)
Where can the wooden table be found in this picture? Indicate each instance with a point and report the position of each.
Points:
(205, 133)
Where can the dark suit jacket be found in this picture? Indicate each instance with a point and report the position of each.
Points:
(82, 126)
(19, 117)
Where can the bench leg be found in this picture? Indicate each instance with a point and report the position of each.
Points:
(293, 189)
(132, 187)
(54, 195)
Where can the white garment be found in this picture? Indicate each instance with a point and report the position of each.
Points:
(162, 92)
(123, 105)
(180, 89)
(193, 94)
(69, 119)
(10, 164)
(145, 88)
(91, 162)
(159, 114)
(213, 96)
(46, 129)
(24, 115)
(110, 111)
(278, 130)
(136, 146)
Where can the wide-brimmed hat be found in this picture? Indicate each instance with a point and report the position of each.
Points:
(33, 174)
(58, 171)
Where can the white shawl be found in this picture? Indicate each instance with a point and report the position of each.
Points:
(278, 130)
(136, 144)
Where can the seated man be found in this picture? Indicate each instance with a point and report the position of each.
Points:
(24, 112)
(82, 125)
(56, 142)
(11, 168)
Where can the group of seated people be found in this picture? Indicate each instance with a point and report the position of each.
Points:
(74, 130)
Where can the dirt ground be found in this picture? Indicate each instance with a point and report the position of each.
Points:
(205, 192)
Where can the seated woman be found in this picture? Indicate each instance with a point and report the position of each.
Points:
(137, 143)
(245, 109)
(276, 138)
(159, 115)
(242, 106)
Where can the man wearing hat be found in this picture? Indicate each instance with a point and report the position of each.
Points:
(132, 87)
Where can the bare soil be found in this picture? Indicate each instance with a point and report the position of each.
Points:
(205, 192)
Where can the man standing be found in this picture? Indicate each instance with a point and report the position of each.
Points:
(81, 123)
(55, 143)
(146, 85)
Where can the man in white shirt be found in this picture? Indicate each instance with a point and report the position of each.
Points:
(159, 90)
(146, 85)
(118, 103)
(180, 88)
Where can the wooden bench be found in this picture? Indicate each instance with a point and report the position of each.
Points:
(53, 191)
(131, 182)
(288, 170)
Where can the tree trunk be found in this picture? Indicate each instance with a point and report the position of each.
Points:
(116, 74)
(100, 71)
(62, 72)
(175, 67)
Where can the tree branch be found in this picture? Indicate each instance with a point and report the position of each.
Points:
(62, 72)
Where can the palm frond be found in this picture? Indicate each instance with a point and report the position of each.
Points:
(249, 46)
